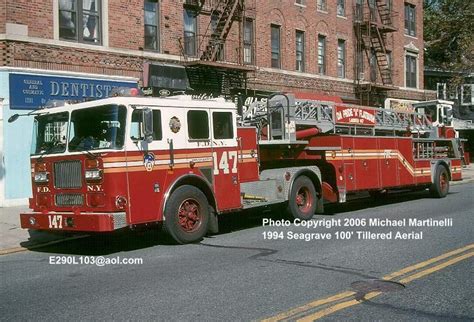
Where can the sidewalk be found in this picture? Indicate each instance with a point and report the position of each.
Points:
(15, 239)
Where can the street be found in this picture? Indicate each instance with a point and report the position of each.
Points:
(252, 272)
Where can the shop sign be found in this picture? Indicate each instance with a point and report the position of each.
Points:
(29, 92)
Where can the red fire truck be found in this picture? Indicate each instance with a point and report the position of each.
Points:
(120, 162)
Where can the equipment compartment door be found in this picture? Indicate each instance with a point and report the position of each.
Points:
(366, 163)
(389, 162)
(348, 158)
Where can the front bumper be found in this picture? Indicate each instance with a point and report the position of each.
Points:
(69, 221)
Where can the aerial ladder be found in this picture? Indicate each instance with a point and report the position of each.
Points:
(288, 120)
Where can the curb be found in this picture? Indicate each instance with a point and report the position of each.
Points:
(18, 249)
(462, 181)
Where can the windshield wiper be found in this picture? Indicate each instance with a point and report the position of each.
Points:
(48, 149)
(89, 153)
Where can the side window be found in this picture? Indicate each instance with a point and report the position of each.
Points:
(222, 125)
(136, 132)
(198, 125)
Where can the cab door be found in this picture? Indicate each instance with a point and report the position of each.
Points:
(146, 177)
(225, 158)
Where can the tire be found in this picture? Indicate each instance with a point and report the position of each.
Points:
(303, 200)
(187, 215)
(440, 186)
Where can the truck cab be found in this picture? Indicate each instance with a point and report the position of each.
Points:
(439, 112)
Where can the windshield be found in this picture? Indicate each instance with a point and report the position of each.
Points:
(50, 133)
(430, 111)
(101, 127)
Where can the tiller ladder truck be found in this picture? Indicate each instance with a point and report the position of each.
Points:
(128, 161)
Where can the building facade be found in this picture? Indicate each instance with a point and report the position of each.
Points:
(361, 50)
(461, 93)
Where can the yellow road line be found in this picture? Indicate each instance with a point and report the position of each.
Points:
(427, 262)
(436, 268)
(336, 308)
(343, 295)
(309, 306)
(343, 305)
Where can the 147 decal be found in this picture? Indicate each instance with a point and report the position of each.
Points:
(227, 163)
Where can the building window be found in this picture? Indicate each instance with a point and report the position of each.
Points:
(373, 66)
(466, 94)
(373, 10)
(217, 43)
(276, 56)
(322, 55)
(190, 30)
(300, 2)
(389, 64)
(341, 58)
(248, 41)
(341, 8)
(358, 12)
(410, 71)
(79, 20)
(360, 64)
(410, 20)
(441, 91)
(152, 22)
(322, 5)
(300, 51)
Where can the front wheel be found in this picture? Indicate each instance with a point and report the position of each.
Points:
(187, 215)
(440, 186)
(303, 199)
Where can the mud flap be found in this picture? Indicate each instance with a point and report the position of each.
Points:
(213, 222)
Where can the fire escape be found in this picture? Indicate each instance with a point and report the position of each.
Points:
(215, 68)
(373, 22)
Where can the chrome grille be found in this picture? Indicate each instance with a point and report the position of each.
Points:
(69, 199)
(67, 174)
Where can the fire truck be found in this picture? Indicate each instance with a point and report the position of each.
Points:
(127, 161)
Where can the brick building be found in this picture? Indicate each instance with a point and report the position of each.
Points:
(361, 50)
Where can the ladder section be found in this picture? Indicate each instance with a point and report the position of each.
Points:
(329, 117)
(228, 11)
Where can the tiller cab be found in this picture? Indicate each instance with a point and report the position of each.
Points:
(120, 162)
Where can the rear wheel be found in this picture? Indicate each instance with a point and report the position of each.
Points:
(187, 215)
(440, 186)
(303, 200)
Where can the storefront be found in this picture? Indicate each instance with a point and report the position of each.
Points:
(22, 91)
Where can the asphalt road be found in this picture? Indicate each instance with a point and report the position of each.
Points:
(239, 275)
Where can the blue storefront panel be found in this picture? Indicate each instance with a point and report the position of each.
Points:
(28, 92)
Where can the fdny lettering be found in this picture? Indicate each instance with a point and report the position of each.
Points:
(94, 188)
(43, 189)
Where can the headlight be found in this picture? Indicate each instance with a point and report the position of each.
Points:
(95, 174)
(41, 177)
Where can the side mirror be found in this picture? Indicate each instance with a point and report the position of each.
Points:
(13, 118)
(147, 125)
